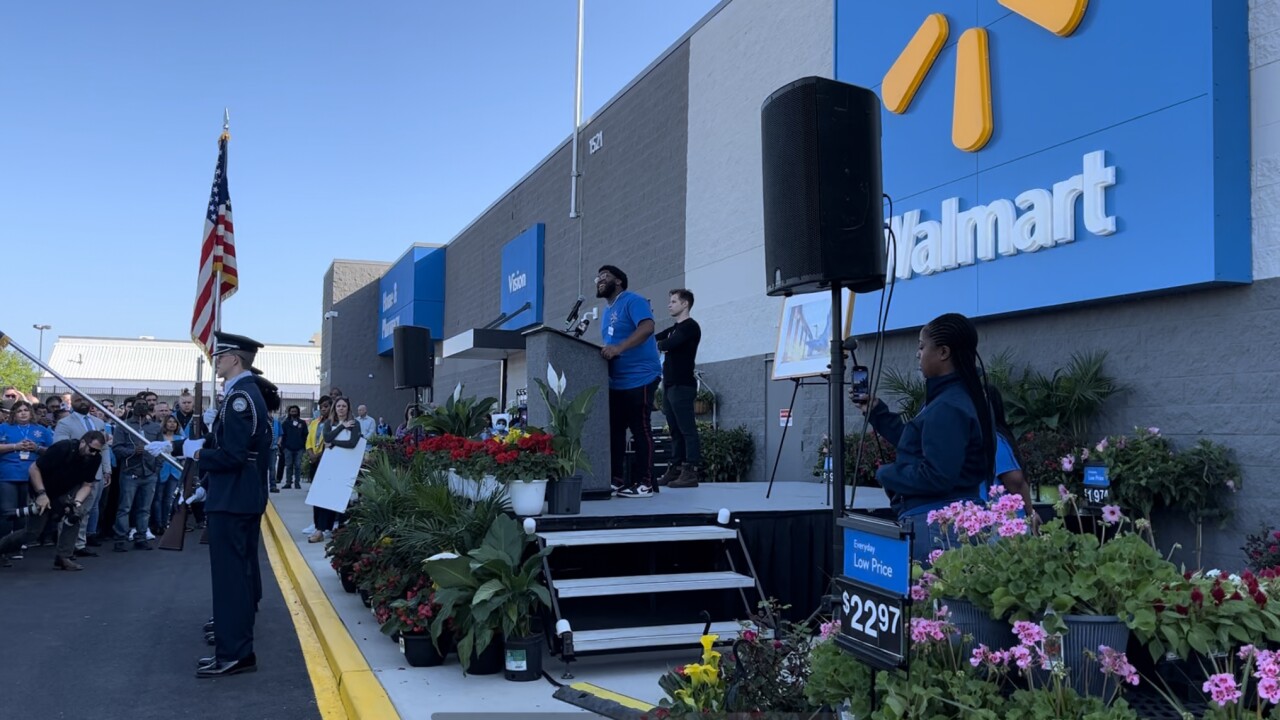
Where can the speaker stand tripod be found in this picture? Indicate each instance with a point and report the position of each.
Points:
(798, 383)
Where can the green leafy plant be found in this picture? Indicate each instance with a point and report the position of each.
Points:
(1067, 400)
(910, 389)
(17, 371)
(727, 454)
(1210, 613)
(462, 416)
(697, 689)
(769, 665)
(1208, 476)
(493, 588)
(836, 678)
(1262, 549)
(568, 419)
(876, 452)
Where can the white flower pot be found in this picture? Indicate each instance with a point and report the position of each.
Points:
(472, 489)
(527, 498)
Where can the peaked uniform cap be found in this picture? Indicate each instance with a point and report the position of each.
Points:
(227, 342)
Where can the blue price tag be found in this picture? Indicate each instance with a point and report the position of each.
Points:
(878, 561)
(1097, 485)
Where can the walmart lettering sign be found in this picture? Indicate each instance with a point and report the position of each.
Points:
(522, 279)
(1038, 157)
(411, 292)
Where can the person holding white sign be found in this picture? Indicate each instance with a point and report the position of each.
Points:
(342, 431)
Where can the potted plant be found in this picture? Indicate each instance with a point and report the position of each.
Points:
(492, 592)
(344, 550)
(464, 417)
(410, 622)
(568, 419)
(727, 453)
(523, 462)
(703, 401)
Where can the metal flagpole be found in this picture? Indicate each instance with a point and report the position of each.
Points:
(217, 275)
(7, 341)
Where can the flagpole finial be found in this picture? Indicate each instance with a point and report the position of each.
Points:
(226, 124)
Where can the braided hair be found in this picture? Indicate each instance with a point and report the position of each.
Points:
(957, 332)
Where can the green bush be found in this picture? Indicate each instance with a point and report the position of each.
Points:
(727, 454)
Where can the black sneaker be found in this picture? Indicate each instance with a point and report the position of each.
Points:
(121, 546)
(142, 545)
(616, 485)
(639, 491)
(275, 489)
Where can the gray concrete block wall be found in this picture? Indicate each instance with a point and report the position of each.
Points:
(632, 202)
(349, 345)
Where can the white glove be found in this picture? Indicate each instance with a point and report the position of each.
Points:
(158, 446)
(191, 447)
(209, 415)
(197, 496)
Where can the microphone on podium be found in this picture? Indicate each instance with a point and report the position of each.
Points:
(573, 314)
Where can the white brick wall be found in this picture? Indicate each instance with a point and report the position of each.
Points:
(1264, 80)
(747, 51)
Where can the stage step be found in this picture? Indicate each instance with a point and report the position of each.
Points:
(640, 584)
(579, 538)
(651, 636)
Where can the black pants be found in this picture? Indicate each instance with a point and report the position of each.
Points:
(233, 564)
(629, 410)
(677, 405)
(325, 519)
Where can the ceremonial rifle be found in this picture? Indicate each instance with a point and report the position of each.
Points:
(175, 536)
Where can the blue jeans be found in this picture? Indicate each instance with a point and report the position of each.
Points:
(13, 495)
(134, 492)
(162, 506)
(677, 406)
(271, 467)
(293, 467)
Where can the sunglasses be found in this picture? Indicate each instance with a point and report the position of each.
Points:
(10, 396)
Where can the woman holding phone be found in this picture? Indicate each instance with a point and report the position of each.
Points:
(946, 453)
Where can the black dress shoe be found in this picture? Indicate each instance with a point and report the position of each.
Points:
(209, 638)
(208, 627)
(223, 668)
(206, 661)
(85, 552)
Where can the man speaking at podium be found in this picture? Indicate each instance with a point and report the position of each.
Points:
(634, 372)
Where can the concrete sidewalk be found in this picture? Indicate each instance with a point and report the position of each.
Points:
(120, 640)
(418, 693)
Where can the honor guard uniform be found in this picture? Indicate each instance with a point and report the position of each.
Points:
(233, 472)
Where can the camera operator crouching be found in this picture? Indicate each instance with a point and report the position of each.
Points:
(61, 480)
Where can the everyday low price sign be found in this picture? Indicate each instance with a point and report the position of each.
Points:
(1097, 485)
(872, 601)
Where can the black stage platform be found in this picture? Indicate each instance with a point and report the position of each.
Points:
(788, 535)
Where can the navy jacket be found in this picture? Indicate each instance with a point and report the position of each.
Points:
(233, 461)
(940, 457)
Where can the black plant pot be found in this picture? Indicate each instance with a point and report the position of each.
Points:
(366, 598)
(419, 651)
(523, 658)
(488, 662)
(348, 582)
(565, 496)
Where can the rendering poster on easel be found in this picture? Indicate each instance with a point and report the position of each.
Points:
(804, 335)
(336, 477)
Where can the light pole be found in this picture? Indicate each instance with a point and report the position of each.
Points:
(42, 328)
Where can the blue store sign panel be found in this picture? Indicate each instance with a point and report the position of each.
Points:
(878, 561)
(411, 292)
(1041, 154)
(522, 279)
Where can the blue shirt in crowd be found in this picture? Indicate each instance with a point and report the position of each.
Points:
(13, 468)
(640, 365)
(1005, 463)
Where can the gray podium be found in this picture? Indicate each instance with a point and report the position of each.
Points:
(580, 362)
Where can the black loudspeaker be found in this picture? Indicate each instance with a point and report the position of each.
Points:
(415, 357)
(823, 216)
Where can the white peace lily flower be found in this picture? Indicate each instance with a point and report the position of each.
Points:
(442, 556)
(1213, 573)
(560, 386)
(457, 392)
(1234, 578)
(553, 382)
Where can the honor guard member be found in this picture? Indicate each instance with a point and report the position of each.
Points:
(232, 461)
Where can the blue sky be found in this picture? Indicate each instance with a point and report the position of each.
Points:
(356, 130)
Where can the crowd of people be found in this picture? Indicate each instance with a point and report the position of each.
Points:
(48, 496)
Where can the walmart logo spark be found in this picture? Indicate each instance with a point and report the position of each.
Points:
(971, 123)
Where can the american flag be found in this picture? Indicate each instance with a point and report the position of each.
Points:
(217, 254)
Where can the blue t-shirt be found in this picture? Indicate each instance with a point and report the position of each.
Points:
(1005, 462)
(640, 365)
(12, 467)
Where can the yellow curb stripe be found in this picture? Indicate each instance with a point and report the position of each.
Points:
(362, 694)
(603, 694)
(328, 700)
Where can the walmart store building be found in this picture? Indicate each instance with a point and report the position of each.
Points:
(1076, 175)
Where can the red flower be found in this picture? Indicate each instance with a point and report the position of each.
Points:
(1197, 597)
(1217, 594)
(1181, 609)
(1159, 606)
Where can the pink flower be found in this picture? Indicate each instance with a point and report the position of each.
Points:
(996, 491)
(1028, 633)
(1111, 514)
(1084, 454)
(924, 630)
(1269, 690)
(933, 556)
(1008, 506)
(828, 630)
(1153, 430)
(1068, 463)
(750, 635)
(1013, 528)
(1021, 656)
(1102, 445)
(1063, 491)
(1115, 663)
(1231, 485)
(1222, 688)
(978, 656)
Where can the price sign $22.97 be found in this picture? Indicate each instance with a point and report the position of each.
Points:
(872, 618)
